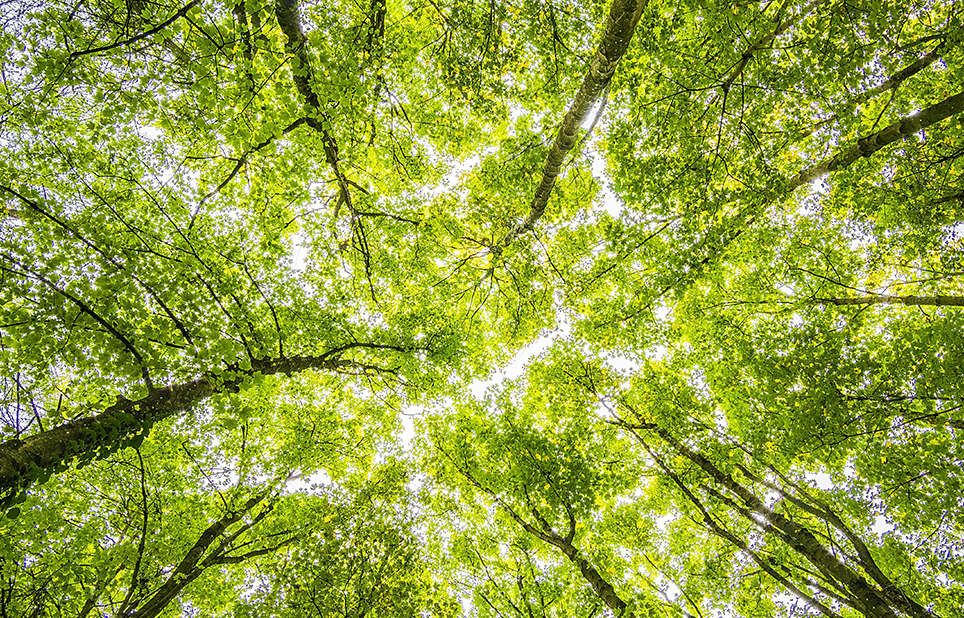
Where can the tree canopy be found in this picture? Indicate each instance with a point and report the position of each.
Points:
(515, 309)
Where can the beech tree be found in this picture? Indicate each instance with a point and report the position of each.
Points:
(259, 260)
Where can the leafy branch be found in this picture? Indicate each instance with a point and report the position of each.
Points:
(545, 532)
(870, 144)
(140, 37)
(36, 457)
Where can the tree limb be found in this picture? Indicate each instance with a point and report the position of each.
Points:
(870, 144)
(22, 461)
(139, 37)
(623, 16)
(318, 118)
(882, 299)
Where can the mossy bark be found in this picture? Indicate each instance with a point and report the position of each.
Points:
(23, 462)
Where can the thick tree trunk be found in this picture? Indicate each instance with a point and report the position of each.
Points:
(623, 16)
(23, 462)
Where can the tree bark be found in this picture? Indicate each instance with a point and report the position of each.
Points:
(868, 600)
(192, 566)
(22, 462)
(600, 585)
(604, 590)
(318, 118)
(620, 25)
(931, 301)
(870, 144)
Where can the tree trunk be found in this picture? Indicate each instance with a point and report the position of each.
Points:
(867, 599)
(867, 146)
(931, 301)
(604, 590)
(623, 16)
(191, 566)
(317, 116)
(23, 462)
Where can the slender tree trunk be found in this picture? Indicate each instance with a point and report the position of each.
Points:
(870, 144)
(890, 590)
(600, 585)
(864, 147)
(867, 599)
(719, 530)
(891, 83)
(317, 116)
(604, 590)
(195, 562)
(932, 301)
(623, 16)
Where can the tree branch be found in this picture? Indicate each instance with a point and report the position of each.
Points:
(934, 301)
(23, 461)
(318, 118)
(135, 573)
(868, 600)
(891, 83)
(190, 567)
(623, 16)
(33, 205)
(244, 159)
(85, 308)
(767, 40)
(139, 37)
(870, 144)
(718, 530)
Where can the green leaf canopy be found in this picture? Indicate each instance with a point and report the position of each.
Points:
(489, 309)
